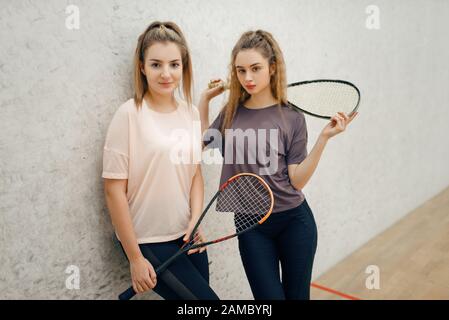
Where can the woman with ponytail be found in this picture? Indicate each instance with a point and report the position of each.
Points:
(152, 178)
(257, 131)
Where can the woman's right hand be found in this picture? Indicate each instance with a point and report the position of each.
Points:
(210, 93)
(142, 274)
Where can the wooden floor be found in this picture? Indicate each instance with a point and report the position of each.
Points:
(412, 256)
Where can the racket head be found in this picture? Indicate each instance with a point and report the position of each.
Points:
(249, 198)
(323, 98)
(243, 202)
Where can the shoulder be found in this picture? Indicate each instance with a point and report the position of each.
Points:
(293, 116)
(122, 114)
(195, 111)
(126, 108)
(192, 109)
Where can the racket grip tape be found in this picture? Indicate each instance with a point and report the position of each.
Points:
(128, 294)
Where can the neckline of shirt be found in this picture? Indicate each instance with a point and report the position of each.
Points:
(164, 113)
(259, 109)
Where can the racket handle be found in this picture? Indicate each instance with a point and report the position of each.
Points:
(128, 294)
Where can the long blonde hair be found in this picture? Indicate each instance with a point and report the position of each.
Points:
(268, 47)
(161, 32)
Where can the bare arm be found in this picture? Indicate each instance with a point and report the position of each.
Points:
(142, 272)
(301, 173)
(196, 208)
(203, 108)
(197, 194)
(203, 105)
(115, 193)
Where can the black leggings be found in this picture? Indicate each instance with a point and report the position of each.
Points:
(288, 237)
(187, 278)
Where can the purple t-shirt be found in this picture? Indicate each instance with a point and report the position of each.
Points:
(263, 141)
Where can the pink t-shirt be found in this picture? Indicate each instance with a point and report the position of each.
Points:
(158, 153)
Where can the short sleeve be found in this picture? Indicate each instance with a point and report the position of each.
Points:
(212, 138)
(195, 113)
(116, 148)
(297, 140)
(196, 133)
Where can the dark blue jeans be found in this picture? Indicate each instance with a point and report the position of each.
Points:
(187, 278)
(288, 238)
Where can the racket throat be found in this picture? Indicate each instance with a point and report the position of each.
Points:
(164, 266)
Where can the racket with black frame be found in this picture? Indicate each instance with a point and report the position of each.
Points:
(324, 98)
(319, 98)
(244, 201)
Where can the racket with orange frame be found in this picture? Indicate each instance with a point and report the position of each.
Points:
(243, 202)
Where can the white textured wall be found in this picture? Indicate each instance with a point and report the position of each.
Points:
(60, 88)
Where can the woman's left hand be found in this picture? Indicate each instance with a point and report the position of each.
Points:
(197, 238)
(210, 93)
(338, 124)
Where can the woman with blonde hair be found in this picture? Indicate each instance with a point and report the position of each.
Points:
(153, 194)
(262, 134)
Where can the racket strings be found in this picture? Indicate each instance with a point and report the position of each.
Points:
(324, 98)
(248, 199)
